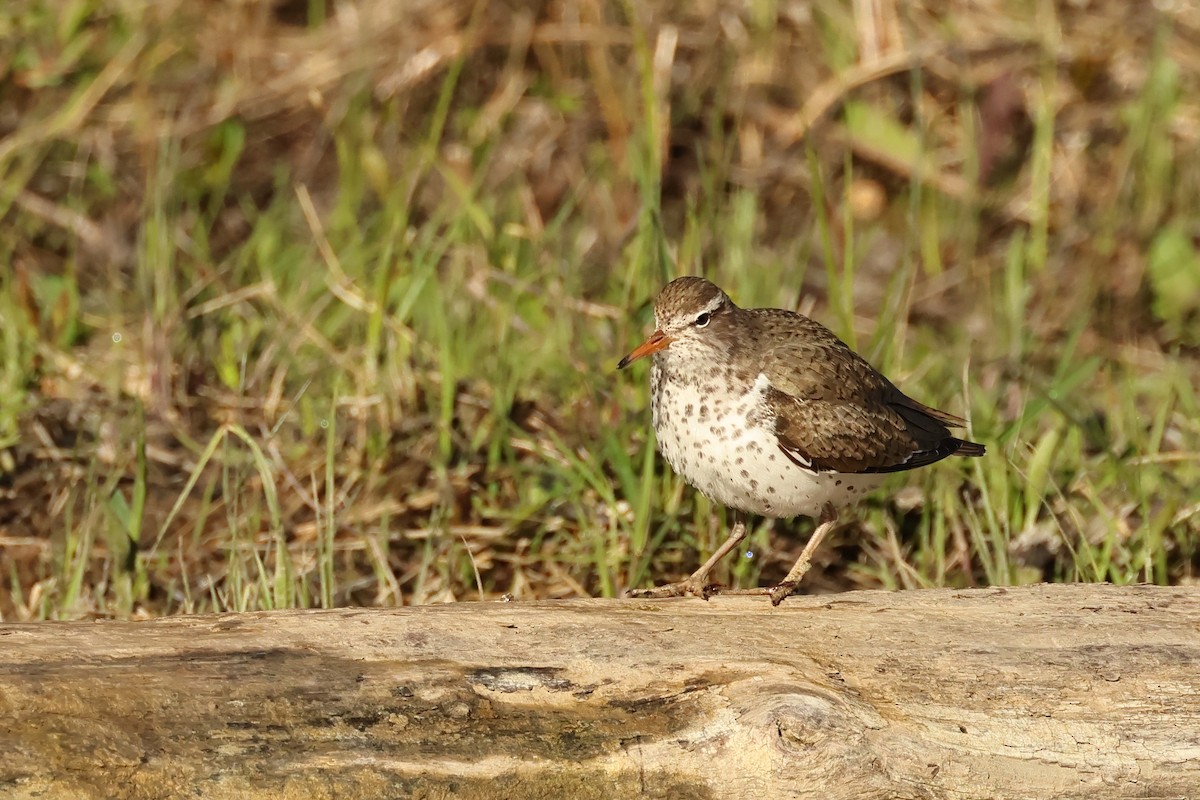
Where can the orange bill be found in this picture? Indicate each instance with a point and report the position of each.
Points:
(657, 341)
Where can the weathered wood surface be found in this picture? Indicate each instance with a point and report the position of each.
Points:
(1039, 692)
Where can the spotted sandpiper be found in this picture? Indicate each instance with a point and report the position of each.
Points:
(767, 412)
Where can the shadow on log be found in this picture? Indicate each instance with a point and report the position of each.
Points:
(1037, 692)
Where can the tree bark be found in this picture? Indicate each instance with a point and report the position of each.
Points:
(1037, 692)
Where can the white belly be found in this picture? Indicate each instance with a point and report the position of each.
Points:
(735, 460)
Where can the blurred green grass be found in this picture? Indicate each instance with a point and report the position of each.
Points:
(314, 306)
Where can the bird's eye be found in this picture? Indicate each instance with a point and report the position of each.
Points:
(703, 319)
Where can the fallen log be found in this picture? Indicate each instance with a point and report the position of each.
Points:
(1036, 692)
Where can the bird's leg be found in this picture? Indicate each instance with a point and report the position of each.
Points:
(696, 583)
(786, 586)
(829, 517)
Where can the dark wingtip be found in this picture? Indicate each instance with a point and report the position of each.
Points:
(971, 449)
(949, 446)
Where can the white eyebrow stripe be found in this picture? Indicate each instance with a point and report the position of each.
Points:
(714, 304)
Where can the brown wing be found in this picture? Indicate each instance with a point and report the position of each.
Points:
(813, 364)
(835, 412)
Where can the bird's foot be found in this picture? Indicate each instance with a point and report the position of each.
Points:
(777, 593)
(692, 586)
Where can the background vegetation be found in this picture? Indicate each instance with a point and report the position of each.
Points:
(317, 302)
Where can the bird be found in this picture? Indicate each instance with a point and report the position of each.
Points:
(768, 412)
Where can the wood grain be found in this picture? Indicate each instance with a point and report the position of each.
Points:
(1038, 692)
